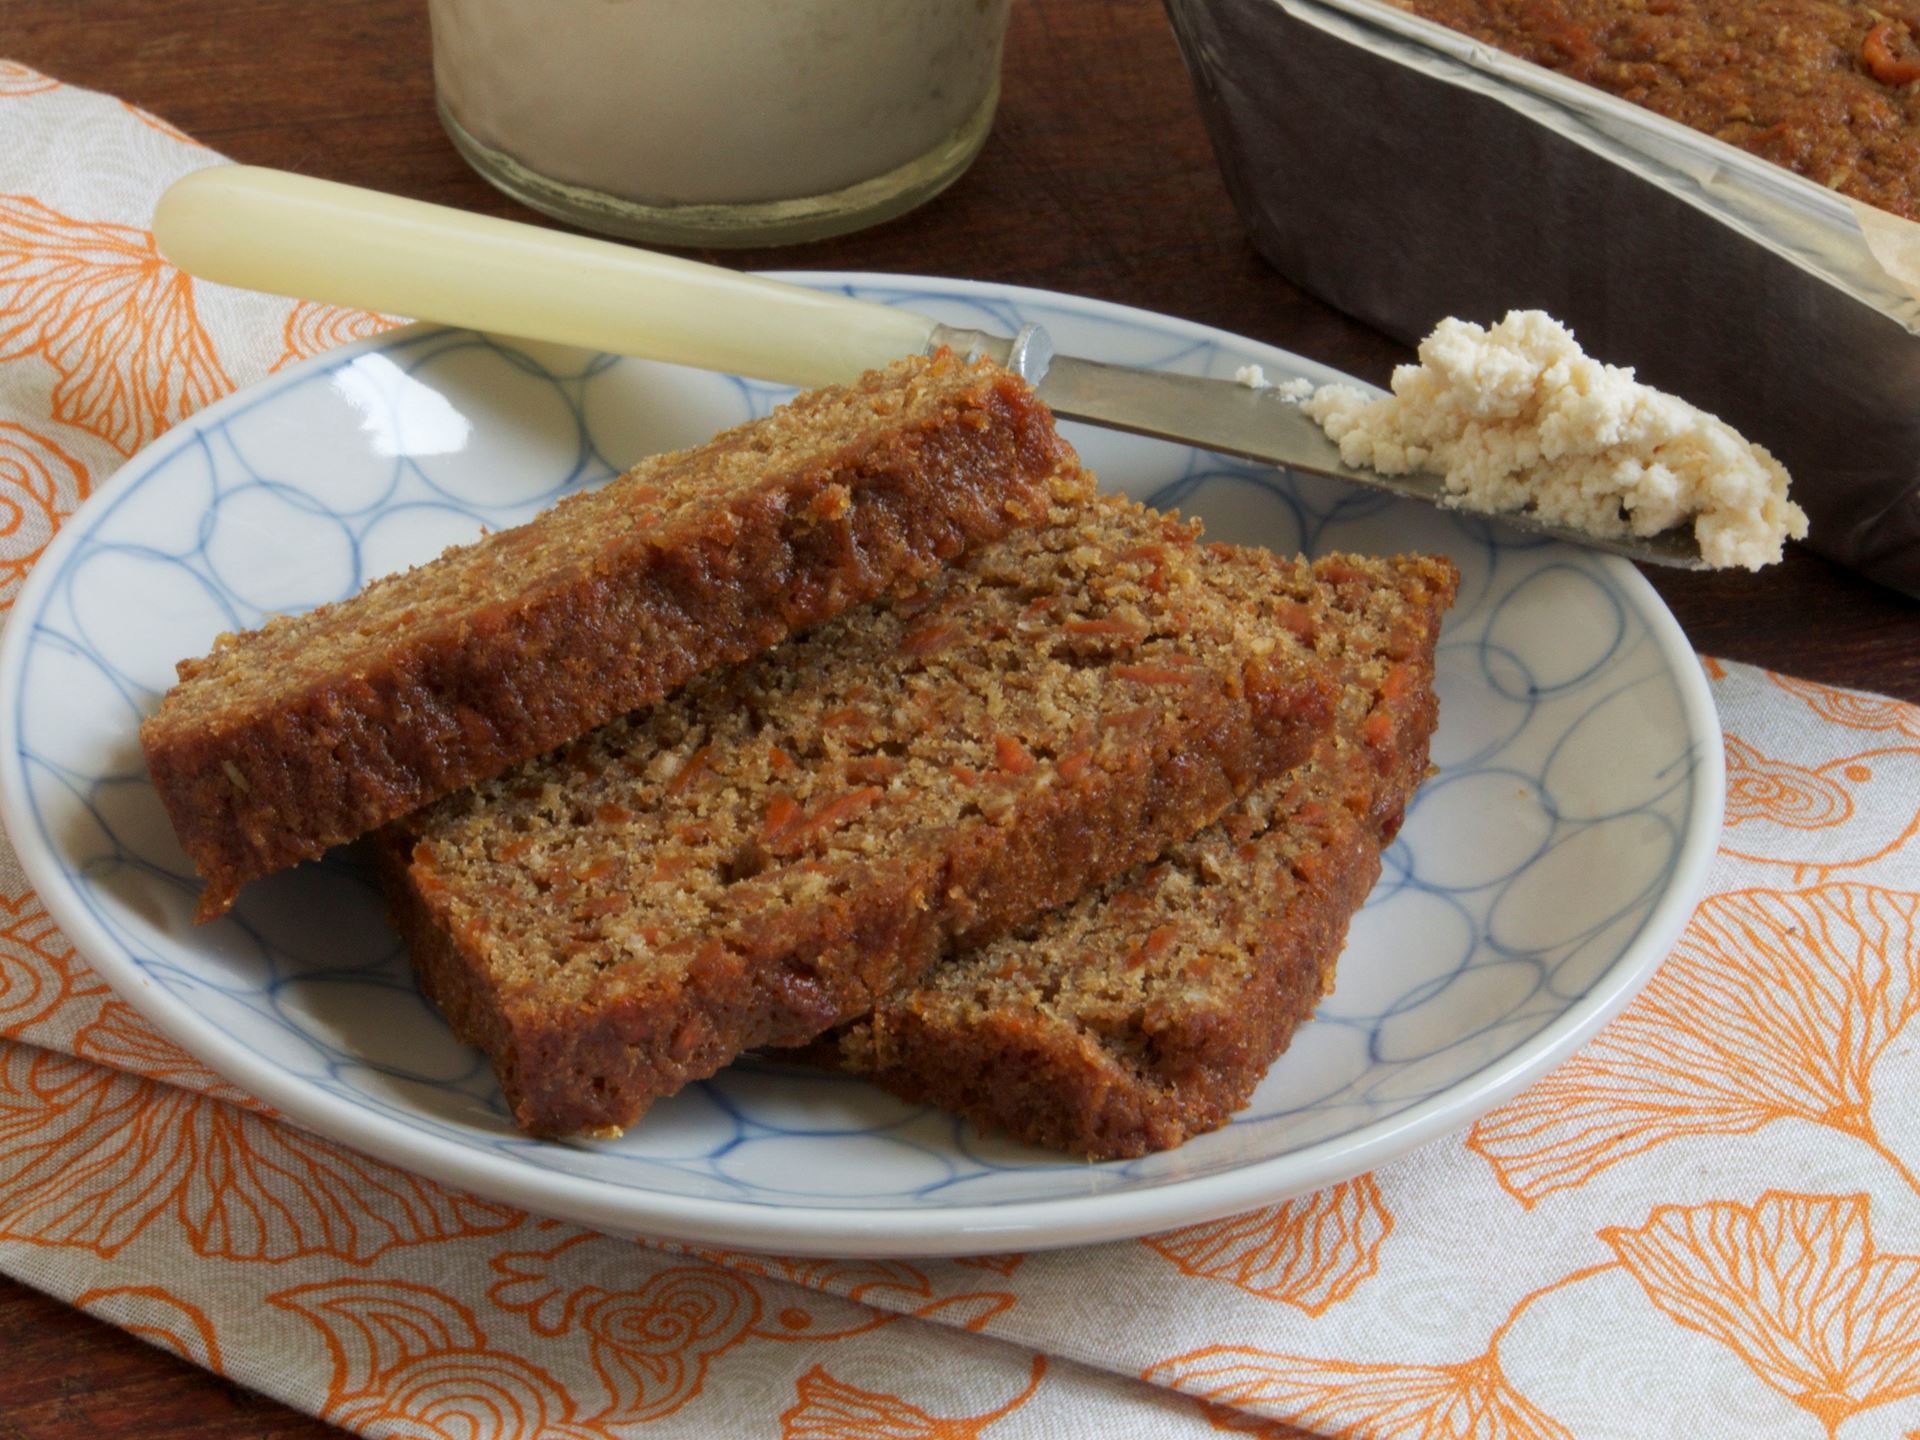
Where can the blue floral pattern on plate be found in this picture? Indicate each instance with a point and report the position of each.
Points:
(1541, 874)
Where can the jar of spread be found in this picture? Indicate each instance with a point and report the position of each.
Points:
(719, 122)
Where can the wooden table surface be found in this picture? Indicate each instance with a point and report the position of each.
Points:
(1098, 180)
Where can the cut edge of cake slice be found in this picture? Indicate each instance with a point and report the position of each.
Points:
(1147, 1011)
(773, 850)
(317, 728)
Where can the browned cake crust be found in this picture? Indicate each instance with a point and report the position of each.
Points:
(318, 728)
(775, 847)
(1824, 88)
(1148, 1011)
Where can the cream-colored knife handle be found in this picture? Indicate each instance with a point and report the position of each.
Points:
(293, 235)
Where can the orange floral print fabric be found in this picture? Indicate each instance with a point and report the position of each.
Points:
(1795, 1286)
(39, 484)
(116, 324)
(1310, 1252)
(312, 329)
(1775, 1006)
(17, 80)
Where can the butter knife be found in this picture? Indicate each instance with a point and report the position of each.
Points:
(313, 239)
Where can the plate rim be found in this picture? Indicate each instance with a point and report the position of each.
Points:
(849, 1232)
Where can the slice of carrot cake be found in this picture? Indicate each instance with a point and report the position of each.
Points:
(317, 728)
(773, 849)
(1147, 1011)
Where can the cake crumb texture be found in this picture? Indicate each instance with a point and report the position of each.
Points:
(1146, 1011)
(776, 847)
(317, 728)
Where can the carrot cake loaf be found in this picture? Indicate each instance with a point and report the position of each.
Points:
(1147, 1011)
(782, 843)
(1824, 88)
(314, 729)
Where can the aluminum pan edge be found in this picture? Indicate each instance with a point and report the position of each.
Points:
(1372, 179)
(1800, 220)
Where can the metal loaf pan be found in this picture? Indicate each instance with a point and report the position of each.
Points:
(1405, 173)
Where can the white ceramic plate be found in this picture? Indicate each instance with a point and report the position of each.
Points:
(1541, 876)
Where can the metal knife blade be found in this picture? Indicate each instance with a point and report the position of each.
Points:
(1256, 424)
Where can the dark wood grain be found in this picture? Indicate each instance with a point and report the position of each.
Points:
(1097, 180)
(67, 1374)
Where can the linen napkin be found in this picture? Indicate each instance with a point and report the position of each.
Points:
(1706, 1223)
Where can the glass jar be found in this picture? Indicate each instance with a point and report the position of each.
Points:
(719, 122)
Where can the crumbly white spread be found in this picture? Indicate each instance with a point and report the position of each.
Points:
(1254, 377)
(1518, 417)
